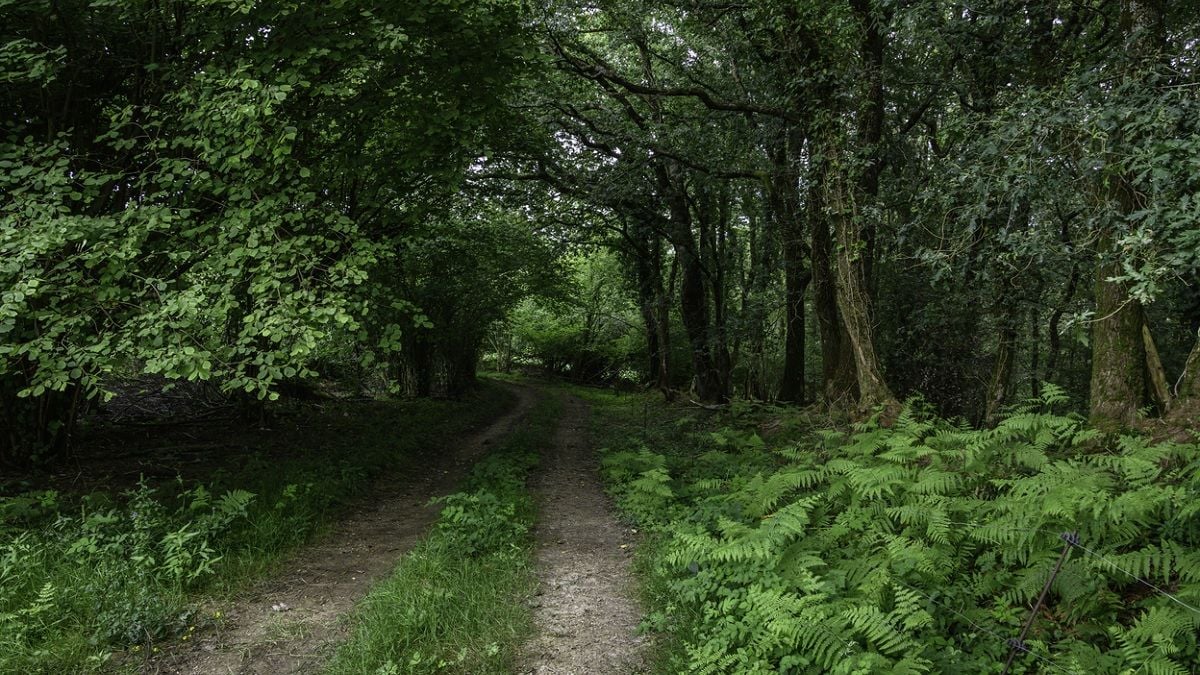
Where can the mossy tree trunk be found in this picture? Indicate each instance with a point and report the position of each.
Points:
(1000, 383)
(1118, 350)
(853, 301)
(1118, 346)
(839, 379)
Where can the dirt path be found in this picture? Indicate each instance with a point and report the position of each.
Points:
(290, 623)
(586, 616)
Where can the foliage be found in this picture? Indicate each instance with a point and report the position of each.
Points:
(919, 547)
(590, 335)
(81, 578)
(203, 190)
(465, 271)
(124, 567)
(456, 602)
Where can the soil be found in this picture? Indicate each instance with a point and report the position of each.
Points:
(585, 610)
(291, 623)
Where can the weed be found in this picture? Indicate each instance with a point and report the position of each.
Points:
(83, 577)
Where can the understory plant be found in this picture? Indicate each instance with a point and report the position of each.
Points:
(85, 577)
(108, 575)
(921, 547)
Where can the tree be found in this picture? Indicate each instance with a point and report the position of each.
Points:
(198, 190)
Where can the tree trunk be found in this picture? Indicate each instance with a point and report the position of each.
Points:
(1000, 384)
(1160, 391)
(718, 259)
(648, 269)
(663, 328)
(1054, 347)
(796, 280)
(853, 301)
(754, 315)
(1118, 350)
(856, 235)
(653, 304)
(1035, 350)
(37, 430)
(870, 127)
(838, 372)
(783, 197)
(1185, 412)
(414, 368)
(693, 300)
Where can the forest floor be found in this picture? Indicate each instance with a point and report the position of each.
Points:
(291, 622)
(584, 610)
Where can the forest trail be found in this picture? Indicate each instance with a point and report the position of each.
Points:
(289, 623)
(585, 612)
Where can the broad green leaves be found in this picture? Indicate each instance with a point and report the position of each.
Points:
(204, 190)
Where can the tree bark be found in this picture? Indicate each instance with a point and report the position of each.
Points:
(1118, 350)
(796, 280)
(1000, 383)
(853, 300)
(1035, 350)
(846, 191)
(786, 214)
(414, 368)
(1189, 383)
(1160, 391)
(871, 117)
(693, 300)
(37, 430)
(838, 373)
(1054, 347)
(754, 315)
(1185, 412)
(648, 269)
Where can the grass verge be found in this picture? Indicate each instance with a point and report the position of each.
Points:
(84, 575)
(455, 604)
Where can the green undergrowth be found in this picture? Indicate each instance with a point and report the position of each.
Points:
(455, 604)
(83, 576)
(918, 548)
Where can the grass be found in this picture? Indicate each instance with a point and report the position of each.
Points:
(456, 603)
(84, 575)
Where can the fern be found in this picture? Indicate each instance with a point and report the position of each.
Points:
(827, 556)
